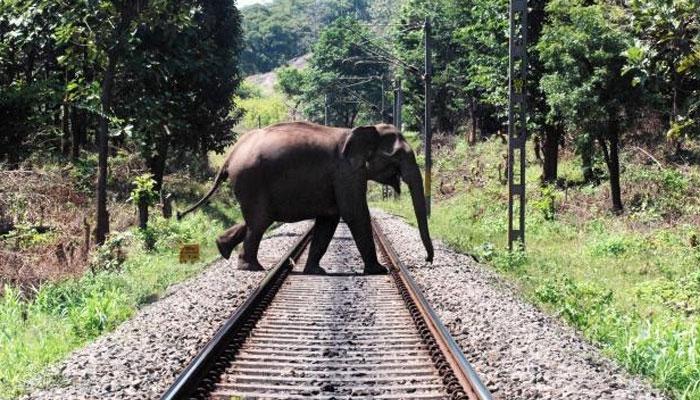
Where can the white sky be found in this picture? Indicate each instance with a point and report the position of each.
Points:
(243, 3)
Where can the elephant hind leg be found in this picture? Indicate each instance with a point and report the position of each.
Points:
(230, 239)
(248, 258)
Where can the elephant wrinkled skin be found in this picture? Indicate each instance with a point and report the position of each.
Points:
(299, 170)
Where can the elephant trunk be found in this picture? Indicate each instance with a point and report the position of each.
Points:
(411, 175)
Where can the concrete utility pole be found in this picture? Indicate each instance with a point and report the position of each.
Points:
(427, 130)
(325, 110)
(517, 121)
(398, 103)
(383, 102)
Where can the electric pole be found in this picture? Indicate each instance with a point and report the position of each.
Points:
(427, 130)
(517, 121)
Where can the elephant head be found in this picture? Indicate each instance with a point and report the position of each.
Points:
(390, 159)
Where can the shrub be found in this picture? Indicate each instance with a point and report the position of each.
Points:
(546, 203)
(110, 255)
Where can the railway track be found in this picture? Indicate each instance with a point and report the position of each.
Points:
(341, 335)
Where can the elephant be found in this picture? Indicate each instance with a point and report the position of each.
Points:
(295, 171)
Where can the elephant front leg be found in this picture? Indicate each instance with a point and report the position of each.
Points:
(351, 195)
(361, 229)
(324, 228)
(359, 222)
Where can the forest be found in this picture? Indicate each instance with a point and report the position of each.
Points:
(115, 112)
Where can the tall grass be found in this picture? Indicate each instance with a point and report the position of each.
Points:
(62, 316)
(629, 283)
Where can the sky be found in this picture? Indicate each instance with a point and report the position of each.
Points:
(243, 3)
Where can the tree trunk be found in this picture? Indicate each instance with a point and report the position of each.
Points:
(472, 115)
(587, 161)
(156, 163)
(612, 160)
(143, 213)
(65, 129)
(78, 131)
(167, 202)
(550, 150)
(102, 227)
(614, 169)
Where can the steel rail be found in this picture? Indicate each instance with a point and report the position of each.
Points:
(467, 378)
(458, 377)
(188, 381)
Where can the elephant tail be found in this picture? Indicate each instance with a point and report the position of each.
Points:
(220, 177)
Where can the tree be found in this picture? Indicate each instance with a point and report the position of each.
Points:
(181, 79)
(666, 59)
(117, 23)
(290, 82)
(470, 62)
(584, 83)
(30, 78)
(286, 29)
(548, 132)
(343, 79)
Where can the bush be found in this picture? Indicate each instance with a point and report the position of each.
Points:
(264, 110)
(111, 255)
(546, 203)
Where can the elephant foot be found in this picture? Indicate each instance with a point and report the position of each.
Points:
(314, 270)
(375, 269)
(249, 266)
(224, 247)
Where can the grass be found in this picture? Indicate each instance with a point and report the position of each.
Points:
(629, 283)
(62, 316)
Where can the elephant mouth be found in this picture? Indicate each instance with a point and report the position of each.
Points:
(392, 180)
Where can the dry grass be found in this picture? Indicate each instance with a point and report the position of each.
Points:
(50, 217)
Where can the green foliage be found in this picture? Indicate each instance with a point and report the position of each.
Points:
(546, 204)
(614, 246)
(579, 303)
(263, 111)
(26, 236)
(247, 90)
(83, 172)
(470, 60)
(339, 55)
(291, 81)
(510, 260)
(110, 256)
(584, 83)
(143, 191)
(173, 64)
(667, 56)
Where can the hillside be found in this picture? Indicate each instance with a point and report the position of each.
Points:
(266, 81)
(284, 30)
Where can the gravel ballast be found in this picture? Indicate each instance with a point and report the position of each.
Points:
(142, 357)
(518, 351)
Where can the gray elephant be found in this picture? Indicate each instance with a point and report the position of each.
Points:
(295, 171)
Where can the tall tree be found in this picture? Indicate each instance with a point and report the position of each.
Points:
(470, 59)
(343, 79)
(666, 58)
(178, 84)
(118, 20)
(584, 83)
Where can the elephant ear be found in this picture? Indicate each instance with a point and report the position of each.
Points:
(390, 141)
(360, 145)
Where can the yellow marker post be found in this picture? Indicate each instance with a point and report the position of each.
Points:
(189, 253)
